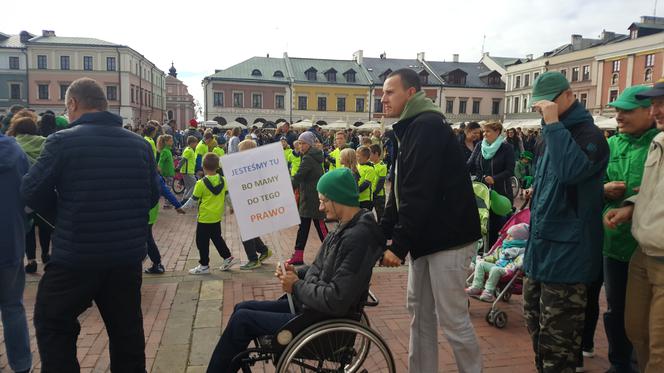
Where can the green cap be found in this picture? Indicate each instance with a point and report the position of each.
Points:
(61, 122)
(628, 101)
(548, 86)
(527, 155)
(339, 185)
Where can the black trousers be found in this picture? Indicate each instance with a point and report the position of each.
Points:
(206, 232)
(591, 317)
(615, 288)
(45, 232)
(253, 247)
(64, 293)
(379, 205)
(153, 250)
(367, 205)
(303, 231)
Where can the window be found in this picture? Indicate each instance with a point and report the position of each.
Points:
(278, 74)
(41, 62)
(218, 99)
(614, 79)
(256, 100)
(132, 94)
(648, 75)
(378, 106)
(650, 60)
(575, 74)
(516, 105)
(13, 63)
(462, 106)
(476, 106)
(495, 107)
(350, 76)
(586, 73)
(359, 105)
(449, 106)
(341, 103)
(322, 103)
(311, 73)
(15, 91)
(584, 99)
(615, 67)
(238, 99)
(63, 91)
(526, 80)
(564, 72)
(535, 76)
(525, 104)
(424, 78)
(613, 95)
(110, 64)
(43, 91)
(112, 93)
(64, 62)
(302, 103)
(494, 79)
(87, 63)
(256, 72)
(331, 75)
(517, 82)
(456, 77)
(279, 102)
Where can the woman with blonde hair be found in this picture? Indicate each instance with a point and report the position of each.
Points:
(348, 159)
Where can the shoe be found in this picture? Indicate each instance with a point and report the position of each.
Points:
(251, 265)
(31, 267)
(265, 256)
(155, 269)
(200, 270)
(590, 353)
(228, 263)
(473, 291)
(487, 296)
(297, 259)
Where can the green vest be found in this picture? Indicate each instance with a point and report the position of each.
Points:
(381, 171)
(367, 173)
(154, 147)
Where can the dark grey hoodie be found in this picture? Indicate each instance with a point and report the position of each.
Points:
(13, 165)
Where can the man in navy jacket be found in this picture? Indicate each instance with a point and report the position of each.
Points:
(101, 182)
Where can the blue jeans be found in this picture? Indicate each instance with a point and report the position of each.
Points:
(249, 320)
(14, 322)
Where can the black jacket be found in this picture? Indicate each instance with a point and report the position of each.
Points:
(102, 180)
(431, 206)
(306, 180)
(500, 167)
(337, 282)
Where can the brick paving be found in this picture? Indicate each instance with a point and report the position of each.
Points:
(183, 314)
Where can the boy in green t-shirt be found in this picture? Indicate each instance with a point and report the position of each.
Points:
(210, 192)
(188, 168)
(368, 178)
(381, 175)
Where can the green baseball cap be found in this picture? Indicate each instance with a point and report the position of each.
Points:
(628, 101)
(548, 86)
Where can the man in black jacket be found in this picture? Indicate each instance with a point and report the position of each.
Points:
(431, 214)
(102, 181)
(335, 285)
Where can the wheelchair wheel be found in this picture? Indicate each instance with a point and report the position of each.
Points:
(178, 186)
(341, 346)
(516, 186)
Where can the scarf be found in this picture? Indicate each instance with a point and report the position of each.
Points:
(489, 150)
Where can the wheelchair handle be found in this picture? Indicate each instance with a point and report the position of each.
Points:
(372, 300)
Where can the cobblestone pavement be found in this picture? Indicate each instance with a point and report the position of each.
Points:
(184, 314)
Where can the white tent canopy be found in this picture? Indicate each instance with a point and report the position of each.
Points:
(605, 123)
(523, 123)
(234, 124)
(302, 125)
(370, 125)
(210, 124)
(337, 125)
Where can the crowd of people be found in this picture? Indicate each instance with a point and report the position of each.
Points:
(400, 196)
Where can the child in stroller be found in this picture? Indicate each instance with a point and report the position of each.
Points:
(505, 260)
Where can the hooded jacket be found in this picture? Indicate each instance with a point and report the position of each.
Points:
(431, 206)
(337, 282)
(565, 244)
(306, 178)
(13, 165)
(32, 145)
(101, 201)
(500, 167)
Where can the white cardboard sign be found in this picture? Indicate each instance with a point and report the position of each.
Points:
(260, 188)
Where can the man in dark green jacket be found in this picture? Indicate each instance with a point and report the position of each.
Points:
(564, 250)
(629, 149)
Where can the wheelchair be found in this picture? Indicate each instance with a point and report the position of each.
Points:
(311, 343)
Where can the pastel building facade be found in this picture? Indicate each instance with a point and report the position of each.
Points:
(179, 103)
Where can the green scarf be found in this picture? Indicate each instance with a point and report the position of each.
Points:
(489, 150)
(418, 104)
(32, 145)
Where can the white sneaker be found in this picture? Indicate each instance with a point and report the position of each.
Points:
(200, 270)
(228, 263)
(580, 369)
(590, 353)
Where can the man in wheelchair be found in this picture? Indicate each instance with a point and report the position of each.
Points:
(335, 285)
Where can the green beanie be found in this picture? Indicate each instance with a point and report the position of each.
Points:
(61, 122)
(339, 186)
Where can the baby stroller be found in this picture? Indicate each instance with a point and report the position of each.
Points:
(483, 200)
(511, 283)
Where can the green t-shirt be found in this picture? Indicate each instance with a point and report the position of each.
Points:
(189, 157)
(201, 149)
(210, 205)
(367, 173)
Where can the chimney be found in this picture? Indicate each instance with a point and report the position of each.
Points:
(25, 36)
(486, 54)
(48, 33)
(420, 56)
(359, 56)
(607, 35)
(652, 20)
(455, 57)
(576, 41)
(529, 57)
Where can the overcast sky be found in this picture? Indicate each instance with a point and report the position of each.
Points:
(201, 36)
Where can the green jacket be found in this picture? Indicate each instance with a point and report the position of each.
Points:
(628, 155)
(305, 180)
(32, 145)
(166, 162)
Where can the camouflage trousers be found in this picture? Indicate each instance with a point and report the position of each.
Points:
(554, 316)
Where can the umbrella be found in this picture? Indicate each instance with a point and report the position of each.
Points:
(234, 124)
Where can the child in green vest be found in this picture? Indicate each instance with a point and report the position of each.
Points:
(368, 179)
(188, 167)
(381, 175)
(166, 166)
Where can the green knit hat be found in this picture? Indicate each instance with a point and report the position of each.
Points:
(339, 185)
(61, 122)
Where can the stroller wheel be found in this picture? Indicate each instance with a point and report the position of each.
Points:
(507, 296)
(489, 317)
(500, 319)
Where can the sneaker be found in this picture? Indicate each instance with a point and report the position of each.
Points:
(155, 269)
(473, 291)
(265, 256)
(200, 270)
(31, 267)
(580, 369)
(487, 296)
(251, 265)
(228, 263)
(590, 353)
